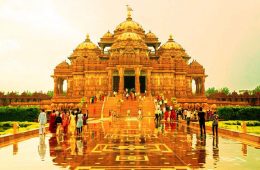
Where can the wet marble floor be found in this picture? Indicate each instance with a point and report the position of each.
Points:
(128, 143)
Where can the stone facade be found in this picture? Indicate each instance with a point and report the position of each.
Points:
(128, 58)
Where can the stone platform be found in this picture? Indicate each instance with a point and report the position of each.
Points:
(129, 143)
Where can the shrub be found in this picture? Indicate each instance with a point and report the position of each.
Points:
(19, 114)
(239, 113)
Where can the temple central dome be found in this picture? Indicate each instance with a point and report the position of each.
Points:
(129, 36)
(129, 24)
(129, 39)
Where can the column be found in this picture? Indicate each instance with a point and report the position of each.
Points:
(197, 86)
(148, 82)
(203, 86)
(55, 90)
(109, 81)
(137, 80)
(121, 80)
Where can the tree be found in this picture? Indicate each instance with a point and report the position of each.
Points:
(256, 90)
(210, 91)
(50, 93)
(224, 90)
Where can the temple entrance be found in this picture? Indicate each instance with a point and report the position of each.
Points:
(142, 84)
(129, 82)
(115, 83)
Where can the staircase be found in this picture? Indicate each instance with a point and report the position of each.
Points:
(148, 106)
(132, 105)
(111, 103)
(94, 109)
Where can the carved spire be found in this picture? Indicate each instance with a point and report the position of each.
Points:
(129, 12)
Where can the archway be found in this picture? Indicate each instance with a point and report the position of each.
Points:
(193, 86)
(196, 85)
(64, 87)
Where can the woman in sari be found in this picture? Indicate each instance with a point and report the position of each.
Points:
(65, 121)
(52, 125)
(72, 124)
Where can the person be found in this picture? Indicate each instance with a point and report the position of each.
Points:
(65, 121)
(166, 115)
(58, 122)
(201, 116)
(185, 114)
(42, 119)
(188, 117)
(215, 124)
(79, 123)
(157, 115)
(72, 124)
(85, 122)
(140, 114)
(128, 112)
(173, 115)
(52, 125)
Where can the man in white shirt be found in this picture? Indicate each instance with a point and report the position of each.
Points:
(42, 119)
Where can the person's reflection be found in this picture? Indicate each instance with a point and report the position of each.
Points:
(215, 149)
(189, 140)
(52, 145)
(244, 149)
(188, 129)
(42, 147)
(173, 126)
(72, 145)
(202, 151)
(15, 148)
(79, 146)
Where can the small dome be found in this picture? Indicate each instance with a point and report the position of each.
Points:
(129, 36)
(194, 63)
(107, 35)
(63, 64)
(87, 44)
(150, 35)
(171, 44)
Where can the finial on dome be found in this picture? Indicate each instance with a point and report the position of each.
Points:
(87, 38)
(129, 10)
(170, 37)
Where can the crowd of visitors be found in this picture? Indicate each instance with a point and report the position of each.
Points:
(166, 112)
(69, 122)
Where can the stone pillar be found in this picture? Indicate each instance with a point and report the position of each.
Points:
(189, 86)
(55, 90)
(203, 86)
(61, 86)
(197, 86)
(148, 82)
(137, 80)
(121, 80)
(110, 81)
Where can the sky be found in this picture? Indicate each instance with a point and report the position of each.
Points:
(36, 35)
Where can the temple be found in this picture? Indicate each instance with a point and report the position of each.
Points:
(128, 58)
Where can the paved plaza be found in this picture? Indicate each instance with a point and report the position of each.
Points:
(128, 143)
